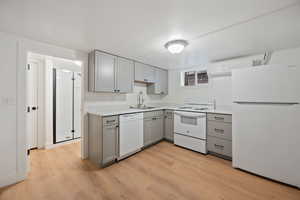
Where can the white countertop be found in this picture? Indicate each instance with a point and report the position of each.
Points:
(110, 110)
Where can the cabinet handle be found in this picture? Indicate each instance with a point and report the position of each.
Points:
(219, 118)
(154, 118)
(110, 121)
(219, 130)
(217, 146)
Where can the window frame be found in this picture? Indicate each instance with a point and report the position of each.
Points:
(196, 83)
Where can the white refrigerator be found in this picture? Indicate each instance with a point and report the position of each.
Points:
(266, 122)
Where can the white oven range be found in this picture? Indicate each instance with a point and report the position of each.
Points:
(190, 130)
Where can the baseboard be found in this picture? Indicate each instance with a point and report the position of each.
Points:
(10, 179)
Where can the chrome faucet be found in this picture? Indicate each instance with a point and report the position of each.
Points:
(215, 104)
(140, 99)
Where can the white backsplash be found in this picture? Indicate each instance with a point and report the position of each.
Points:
(103, 99)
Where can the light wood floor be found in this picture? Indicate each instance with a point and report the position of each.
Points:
(163, 171)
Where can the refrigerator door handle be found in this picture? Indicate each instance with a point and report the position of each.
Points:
(266, 103)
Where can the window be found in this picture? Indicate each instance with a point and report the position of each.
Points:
(189, 78)
(202, 77)
(194, 78)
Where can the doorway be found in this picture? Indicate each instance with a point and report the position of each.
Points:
(53, 101)
(66, 104)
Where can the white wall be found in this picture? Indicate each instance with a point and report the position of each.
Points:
(13, 145)
(220, 88)
(8, 110)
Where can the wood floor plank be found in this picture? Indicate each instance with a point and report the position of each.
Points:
(163, 171)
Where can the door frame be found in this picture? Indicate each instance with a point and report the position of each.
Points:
(25, 46)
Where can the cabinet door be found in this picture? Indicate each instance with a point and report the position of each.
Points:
(139, 72)
(148, 126)
(149, 73)
(157, 133)
(104, 72)
(124, 75)
(144, 73)
(163, 82)
(110, 134)
(169, 127)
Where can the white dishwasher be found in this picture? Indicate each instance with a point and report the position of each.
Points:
(131, 134)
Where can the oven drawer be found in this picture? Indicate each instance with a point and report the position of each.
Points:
(219, 146)
(219, 129)
(191, 124)
(190, 143)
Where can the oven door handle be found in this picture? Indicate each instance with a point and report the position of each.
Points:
(190, 114)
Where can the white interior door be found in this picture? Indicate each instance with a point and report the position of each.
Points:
(77, 104)
(32, 105)
(64, 105)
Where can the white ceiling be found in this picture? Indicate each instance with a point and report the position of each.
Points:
(139, 29)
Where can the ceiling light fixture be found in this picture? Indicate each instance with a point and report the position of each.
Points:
(176, 46)
(77, 62)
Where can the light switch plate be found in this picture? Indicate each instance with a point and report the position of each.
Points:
(8, 101)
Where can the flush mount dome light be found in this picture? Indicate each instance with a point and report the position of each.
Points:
(176, 46)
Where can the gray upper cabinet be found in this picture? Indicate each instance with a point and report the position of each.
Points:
(161, 83)
(164, 81)
(144, 73)
(104, 72)
(124, 75)
(109, 73)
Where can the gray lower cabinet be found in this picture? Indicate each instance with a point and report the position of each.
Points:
(169, 125)
(153, 127)
(103, 139)
(219, 131)
(219, 146)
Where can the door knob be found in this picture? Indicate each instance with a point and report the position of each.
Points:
(34, 108)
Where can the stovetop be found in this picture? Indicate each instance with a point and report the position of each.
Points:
(195, 107)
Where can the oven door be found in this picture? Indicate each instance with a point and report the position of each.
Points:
(190, 124)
